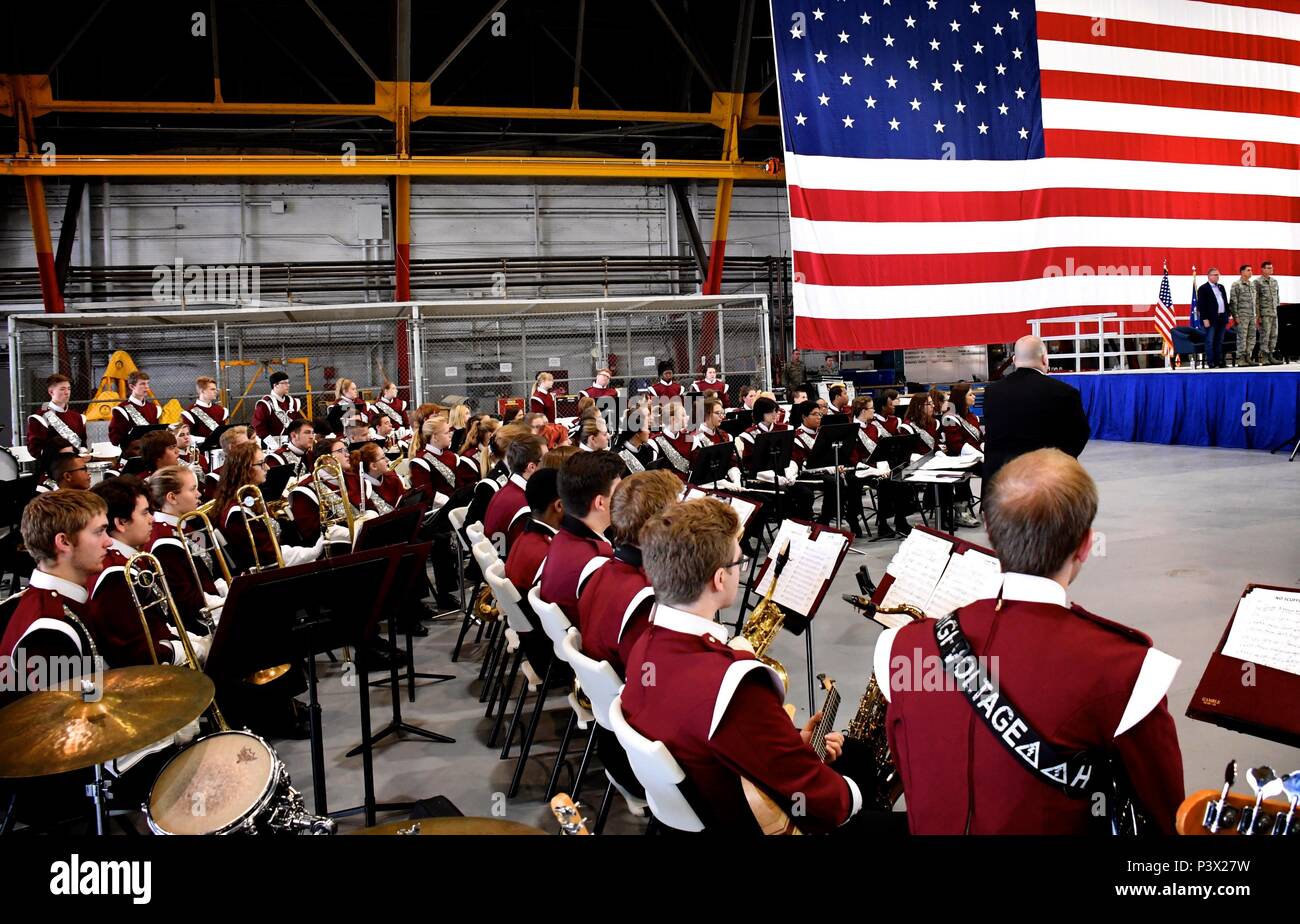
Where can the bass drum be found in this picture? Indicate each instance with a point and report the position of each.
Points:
(229, 782)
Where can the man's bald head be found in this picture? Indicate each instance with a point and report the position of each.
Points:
(1031, 353)
(1039, 511)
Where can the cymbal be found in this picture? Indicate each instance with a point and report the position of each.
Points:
(57, 730)
(452, 826)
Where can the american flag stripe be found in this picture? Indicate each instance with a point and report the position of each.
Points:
(1172, 135)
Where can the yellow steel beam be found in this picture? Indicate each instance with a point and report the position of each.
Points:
(389, 96)
(384, 165)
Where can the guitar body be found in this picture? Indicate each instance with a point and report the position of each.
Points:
(566, 812)
(771, 818)
(1191, 814)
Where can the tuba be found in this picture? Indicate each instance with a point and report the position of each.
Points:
(868, 725)
(334, 505)
(144, 577)
(250, 495)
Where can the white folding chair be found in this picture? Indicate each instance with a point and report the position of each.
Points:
(456, 517)
(658, 772)
(517, 625)
(602, 684)
(402, 469)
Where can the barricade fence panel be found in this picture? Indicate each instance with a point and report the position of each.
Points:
(484, 359)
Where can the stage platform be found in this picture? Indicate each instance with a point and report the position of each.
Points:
(1255, 408)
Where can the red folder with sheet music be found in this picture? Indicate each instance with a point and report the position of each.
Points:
(938, 573)
(1252, 683)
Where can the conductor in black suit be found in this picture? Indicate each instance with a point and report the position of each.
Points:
(1212, 309)
(1028, 410)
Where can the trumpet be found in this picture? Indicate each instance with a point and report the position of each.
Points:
(334, 505)
(252, 493)
(144, 576)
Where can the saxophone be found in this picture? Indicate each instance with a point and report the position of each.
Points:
(765, 621)
(868, 724)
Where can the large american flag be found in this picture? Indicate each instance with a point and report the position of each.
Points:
(958, 168)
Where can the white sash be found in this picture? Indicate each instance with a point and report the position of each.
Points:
(630, 459)
(133, 414)
(389, 412)
(675, 457)
(925, 436)
(447, 474)
(381, 505)
(204, 419)
(867, 442)
(56, 422)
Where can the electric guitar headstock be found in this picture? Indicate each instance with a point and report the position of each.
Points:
(1227, 812)
(568, 815)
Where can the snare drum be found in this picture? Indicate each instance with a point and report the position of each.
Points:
(229, 782)
(97, 470)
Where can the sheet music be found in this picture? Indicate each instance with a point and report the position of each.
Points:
(1266, 630)
(744, 509)
(916, 568)
(788, 530)
(931, 477)
(968, 450)
(941, 462)
(969, 576)
(811, 565)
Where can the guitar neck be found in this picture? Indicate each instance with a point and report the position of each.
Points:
(830, 706)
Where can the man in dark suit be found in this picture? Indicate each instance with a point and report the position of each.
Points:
(1212, 309)
(1028, 410)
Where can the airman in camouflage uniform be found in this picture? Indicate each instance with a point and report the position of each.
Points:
(1266, 299)
(1241, 304)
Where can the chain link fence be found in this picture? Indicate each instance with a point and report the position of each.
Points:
(432, 351)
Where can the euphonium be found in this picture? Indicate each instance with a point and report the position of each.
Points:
(144, 575)
(868, 727)
(334, 505)
(251, 492)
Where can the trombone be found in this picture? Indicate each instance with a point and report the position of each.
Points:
(250, 495)
(334, 505)
(144, 574)
(209, 544)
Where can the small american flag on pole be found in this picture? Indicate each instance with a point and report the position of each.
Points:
(1165, 315)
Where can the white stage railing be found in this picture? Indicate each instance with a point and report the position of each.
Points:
(1101, 329)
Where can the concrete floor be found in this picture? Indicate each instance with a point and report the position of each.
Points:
(1185, 529)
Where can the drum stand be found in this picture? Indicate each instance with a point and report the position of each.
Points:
(97, 792)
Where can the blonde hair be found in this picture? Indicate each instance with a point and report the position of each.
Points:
(47, 515)
(459, 417)
(167, 480)
(543, 375)
(683, 547)
(342, 386)
(203, 382)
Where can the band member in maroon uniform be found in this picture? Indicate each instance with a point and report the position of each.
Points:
(348, 410)
(295, 450)
(960, 427)
(665, 389)
(138, 410)
(593, 434)
(246, 464)
(274, 412)
(394, 408)
(205, 416)
(158, 449)
(614, 607)
(674, 442)
(920, 423)
(717, 709)
(56, 418)
(438, 473)
(893, 499)
(229, 439)
(524, 563)
(66, 532)
(114, 617)
(887, 413)
(765, 421)
(711, 384)
(507, 513)
(381, 488)
(586, 486)
(304, 497)
(174, 493)
(68, 472)
(636, 448)
(1077, 682)
(850, 492)
(542, 401)
(601, 387)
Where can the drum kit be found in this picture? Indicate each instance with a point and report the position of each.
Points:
(227, 782)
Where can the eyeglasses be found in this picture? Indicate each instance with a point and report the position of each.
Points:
(735, 564)
(73, 471)
(262, 464)
(341, 451)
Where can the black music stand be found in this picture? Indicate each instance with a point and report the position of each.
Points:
(738, 422)
(410, 567)
(895, 451)
(772, 451)
(712, 463)
(397, 527)
(835, 419)
(831, 440)
(277, 480)
(900, 474)
(258, 630)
